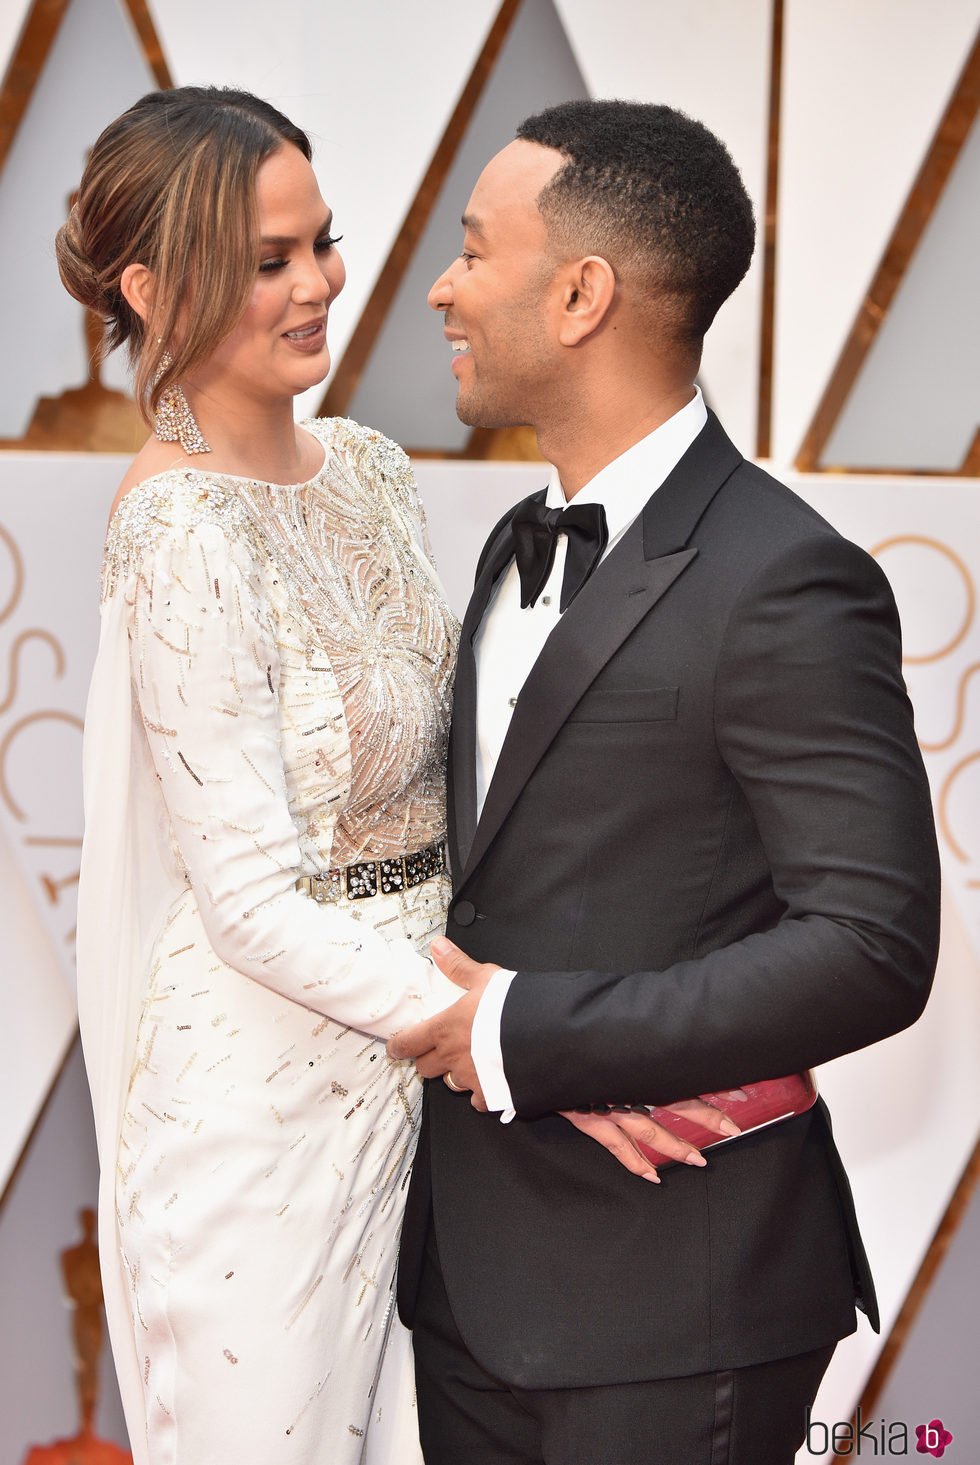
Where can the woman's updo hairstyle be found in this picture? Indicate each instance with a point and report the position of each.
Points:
(171, 185)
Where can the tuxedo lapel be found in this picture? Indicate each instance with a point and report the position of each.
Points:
(625, 587)
(576, 651)
(497, 555)
(462, 744)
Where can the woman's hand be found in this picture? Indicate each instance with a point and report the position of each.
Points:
(618, 1130)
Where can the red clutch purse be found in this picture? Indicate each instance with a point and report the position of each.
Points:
(766, 1103)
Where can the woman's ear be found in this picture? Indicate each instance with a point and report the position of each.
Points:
(136, 284)
(588, 292)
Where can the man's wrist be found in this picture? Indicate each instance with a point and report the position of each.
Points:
(485, 1047)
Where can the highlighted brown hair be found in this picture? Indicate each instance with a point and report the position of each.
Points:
(171, 185)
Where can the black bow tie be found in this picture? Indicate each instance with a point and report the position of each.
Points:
(536, 528)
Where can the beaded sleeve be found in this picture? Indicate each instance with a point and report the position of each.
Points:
(211, 631)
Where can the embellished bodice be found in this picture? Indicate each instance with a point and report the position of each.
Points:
(336, 601)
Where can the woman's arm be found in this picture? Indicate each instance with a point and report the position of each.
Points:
(206, 665)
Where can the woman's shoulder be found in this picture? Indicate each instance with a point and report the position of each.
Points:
(364, 449)
(173, 500)
(168, 509)
(365, 456)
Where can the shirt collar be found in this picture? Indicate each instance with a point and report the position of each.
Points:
(625, 484)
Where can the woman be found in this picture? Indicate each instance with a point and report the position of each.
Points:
(263, 864)
(265, 745)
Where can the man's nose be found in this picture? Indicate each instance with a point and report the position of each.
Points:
(441, 295)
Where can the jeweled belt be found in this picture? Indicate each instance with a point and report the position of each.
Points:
(376, 877)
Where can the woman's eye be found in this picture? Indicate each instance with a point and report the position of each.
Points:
(322, 246)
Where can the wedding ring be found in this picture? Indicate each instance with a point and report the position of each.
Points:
(451, 1083)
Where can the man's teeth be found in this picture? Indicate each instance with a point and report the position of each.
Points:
(460, 346)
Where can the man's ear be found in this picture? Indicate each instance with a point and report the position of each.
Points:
(137, 283)
(588, 291)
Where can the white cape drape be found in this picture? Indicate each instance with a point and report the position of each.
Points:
(124, 890)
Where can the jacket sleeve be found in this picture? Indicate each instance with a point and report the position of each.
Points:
(813, 722)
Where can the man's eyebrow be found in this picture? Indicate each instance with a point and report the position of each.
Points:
(471, 222)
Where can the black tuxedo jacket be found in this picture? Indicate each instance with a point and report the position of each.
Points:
(708, 851)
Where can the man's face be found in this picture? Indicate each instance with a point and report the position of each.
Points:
(496, 294)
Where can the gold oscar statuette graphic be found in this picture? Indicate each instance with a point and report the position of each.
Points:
(83, 1287)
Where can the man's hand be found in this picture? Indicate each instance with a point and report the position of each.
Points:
(441, 1044)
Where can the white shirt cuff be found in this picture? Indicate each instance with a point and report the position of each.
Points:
(488, 1060)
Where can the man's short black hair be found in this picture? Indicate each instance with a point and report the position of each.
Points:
(655, 193)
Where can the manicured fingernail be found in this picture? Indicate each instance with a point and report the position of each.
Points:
(651, 1175)
(693, 1158)
(729, 1127)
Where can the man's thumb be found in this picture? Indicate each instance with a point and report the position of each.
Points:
(452, 962)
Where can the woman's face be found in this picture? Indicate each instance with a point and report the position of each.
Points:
(279, 347)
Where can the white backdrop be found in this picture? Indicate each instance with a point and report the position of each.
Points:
(51, 524)
(865, 82)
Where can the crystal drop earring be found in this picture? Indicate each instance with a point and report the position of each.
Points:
(174, 421)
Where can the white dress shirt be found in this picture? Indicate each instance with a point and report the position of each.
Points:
(509, 642)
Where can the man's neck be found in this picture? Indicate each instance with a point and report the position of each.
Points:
(581, 448)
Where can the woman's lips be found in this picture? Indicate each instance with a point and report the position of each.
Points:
(310, 338)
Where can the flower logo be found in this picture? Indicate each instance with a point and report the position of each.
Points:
(933, 1438)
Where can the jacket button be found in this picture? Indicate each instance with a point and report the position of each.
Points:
(464, 913)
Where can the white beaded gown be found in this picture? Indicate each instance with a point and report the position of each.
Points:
(270, 700)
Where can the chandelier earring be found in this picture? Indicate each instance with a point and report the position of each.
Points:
(174, 421)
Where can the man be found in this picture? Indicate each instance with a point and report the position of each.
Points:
(687, 809)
